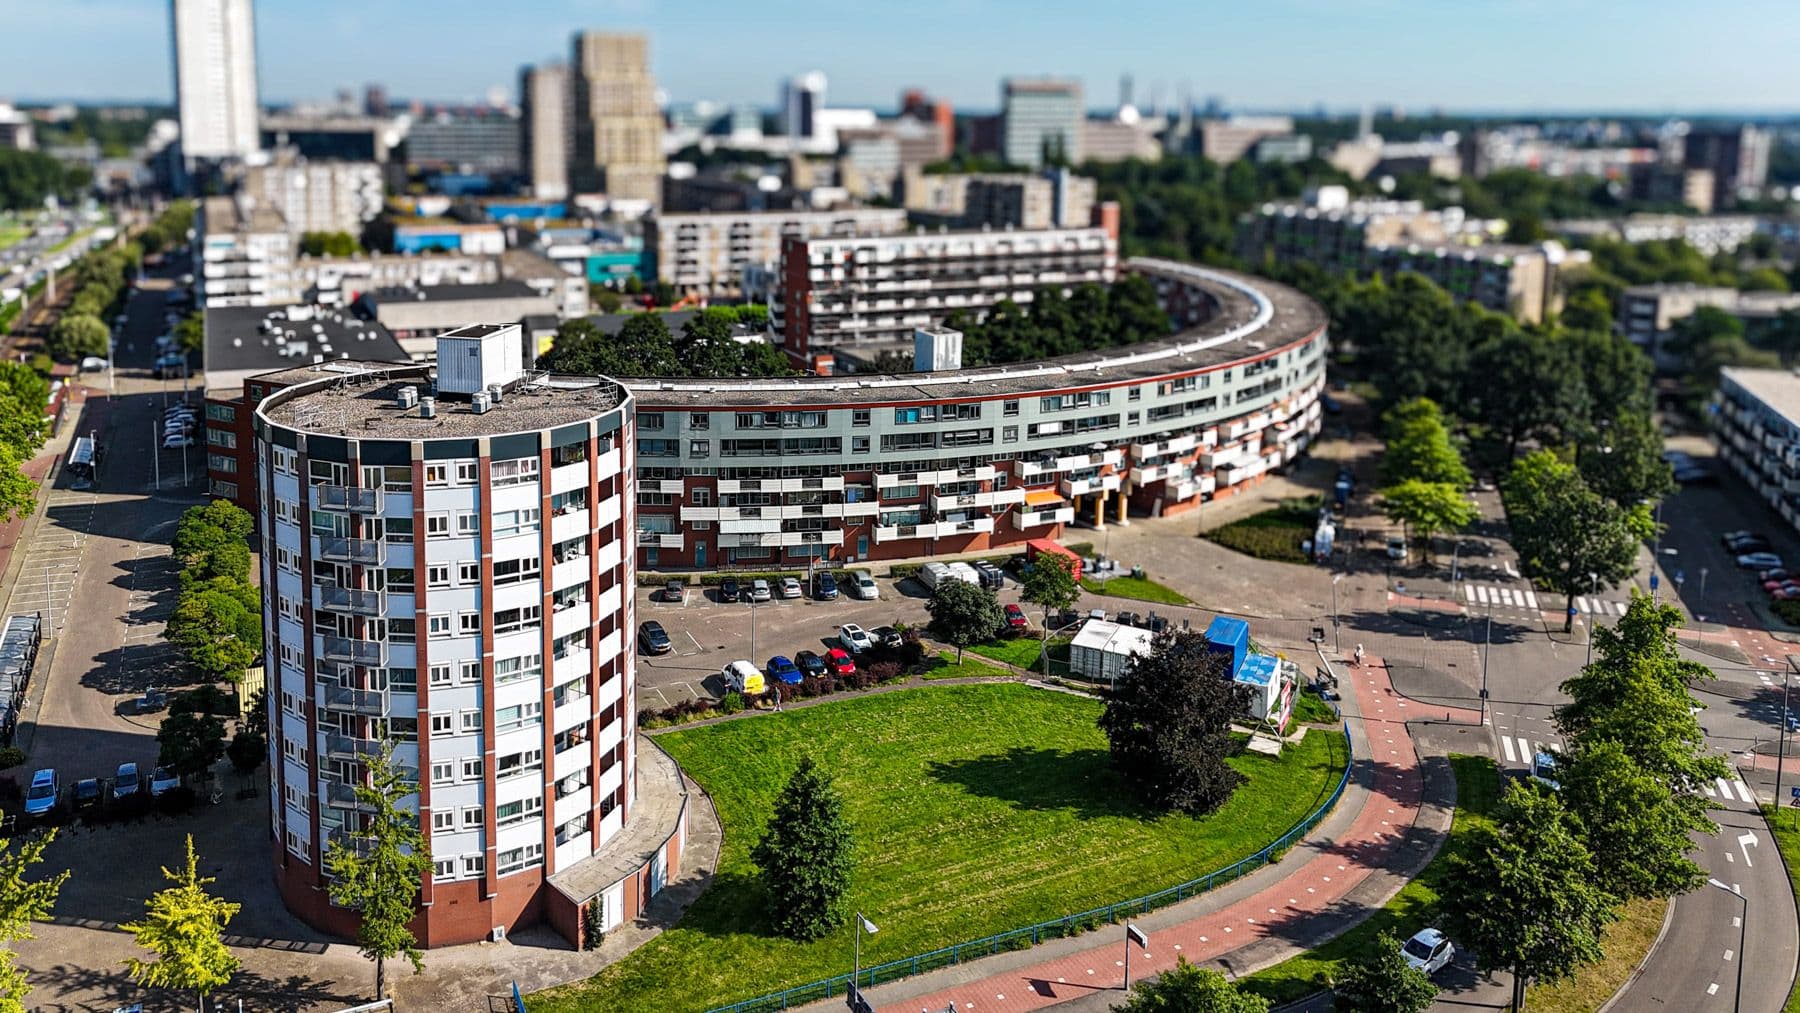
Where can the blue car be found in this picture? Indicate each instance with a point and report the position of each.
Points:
(784, 670)
(41, 798)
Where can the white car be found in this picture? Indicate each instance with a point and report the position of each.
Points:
(1543, 770)
(92, 364)
(790, 587)
(854, 638)
(177, 441)
(863, 586)
(162, 781)
(1428, 951)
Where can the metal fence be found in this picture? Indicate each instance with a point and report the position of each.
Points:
(1068, 925)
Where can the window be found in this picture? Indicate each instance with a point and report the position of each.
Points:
(701, 497)
(220, 413)
(438, 624)
(467, 473)
(295, 751)
(514, 764)
(512, 812)
(514, 472)
(287, 512)
(443, 821)
(699, 448)
(650, 420)
(444, 868)
(473, 864)
(443, 772)
(859, 444)
(468, 624)
(509, 522)
(1134, 394)
(471, 769)
(295, 796)
(297, 844)
(471, 721)
(1009, 408)
(391, 478)
(287, 462)
(437, 525)
(442, 724)
(437, 475)
(439, 675)
(510, 620)
(402, 628)
(469, 673)
(909, 416)
(287, 559)
(437, 575)
(399, 579)
(468, 573)
(859, 417)
(657, 448)
(398, 530)
(468, 523)
(699, 421)
(512, 571)
(508, 718)
(223, 438)
(1009, 434)
(508, 670)
(514, 859)
(471, 817)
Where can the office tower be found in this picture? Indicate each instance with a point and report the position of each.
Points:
(1042, 122)
(618, 127)
(801, 99)
(1738, 158)
(544, 129)
(215, 77)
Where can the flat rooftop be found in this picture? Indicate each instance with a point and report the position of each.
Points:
(1244, 325)
(509, 289)
(240, 338)
(363, 400)
(1777, 388)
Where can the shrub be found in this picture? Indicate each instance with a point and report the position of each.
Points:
(884, 671)
(1788, 611)
(11, 756)
(905, 570)
(731, 702)
(591, 935)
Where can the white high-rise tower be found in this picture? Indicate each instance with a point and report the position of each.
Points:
(215, 77)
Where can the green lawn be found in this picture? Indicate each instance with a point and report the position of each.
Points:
(1413, 908)
(1310, 709)
(1139, 588)
(976, 809)
(1784, 825)
(1020, 651)
(1626, 942)
(1275, 533)
(10, 234)
(971, 667)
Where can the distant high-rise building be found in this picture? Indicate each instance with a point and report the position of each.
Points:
(1738, 158)
(801, 99)
(544, 127)
(938, 114)
(1042, 121)
(215, 77)
(618, 127)
(375, 100)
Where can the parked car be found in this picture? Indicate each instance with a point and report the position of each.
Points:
(1745, 541)
(781, 669)
(742, 677)
(887, 636)
(810, 663)
(169, 365)
(862, 585)
(40, 798)
(1543, 770)
(1786, 592)
(839, 662)
(1428, 950)
(1776, 574)
(1396, 547)
(824, 587)
(790, 587)
(729, 590)
(162, 781)
(125, 782)
(1015, 617)
(87, 793)
(1728, 537)
(92, 364)
(759, 591)
(653, 638)
(675, 590)
(854, 637)
(991, 576)
(1759, 560)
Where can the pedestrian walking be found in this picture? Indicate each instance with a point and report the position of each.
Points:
(1359, 655)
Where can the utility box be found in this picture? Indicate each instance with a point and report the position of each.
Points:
(936, 348)
(1230, 637)
(477, 357)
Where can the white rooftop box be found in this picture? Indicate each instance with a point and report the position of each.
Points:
(473, 358)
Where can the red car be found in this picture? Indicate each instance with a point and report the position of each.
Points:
(1785, 592)
(839, 662)
(1015, 617)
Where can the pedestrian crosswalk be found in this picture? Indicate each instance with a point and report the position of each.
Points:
(1526, 598)
(1729, 788)
(1526, 750)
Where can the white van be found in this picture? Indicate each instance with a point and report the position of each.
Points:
(1396, 547)
(862, 585)
(742, 677)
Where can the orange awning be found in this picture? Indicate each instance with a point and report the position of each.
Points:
(1042, 497)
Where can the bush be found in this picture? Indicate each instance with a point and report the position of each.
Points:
(883, 671)
(905, 570)
(11, 756)
(1279, 542)
(1788, 611)
(731, 702)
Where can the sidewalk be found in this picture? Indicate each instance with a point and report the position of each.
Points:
(1359, 856)
(85, 401)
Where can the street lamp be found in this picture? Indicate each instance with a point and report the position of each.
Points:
(1336, 644)
(1743, 922)
(1593, 581)
(862, 925)
(1133, 934)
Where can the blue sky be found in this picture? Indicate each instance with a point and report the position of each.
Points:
(1652, 55)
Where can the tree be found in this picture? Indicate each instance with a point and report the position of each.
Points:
(22, 901)
(1524, 385)
(77, 335)
(1636, 824)
(23, 393)
(247, 750)
(1187, 988)
(18, 491)
(1428, 507)
(378, 872)
(606, 300)
(806, 855)
(1050, 584)
(190, 334)
(1569, 537)
(1168, 720)
(203, 529)
(218, 627)
(963, 613)
(184, 928)
(1381, 981)
(333, 244)
(190, 742)
(1419, 446)
(1624, 462)
(1523, 894)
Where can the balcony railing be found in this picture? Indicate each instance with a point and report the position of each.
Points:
(347, 747)
(359, 843)
(365, 551)
(352, 600)
(358, 652)
(343, 497)
(343, 796)
(368, 702)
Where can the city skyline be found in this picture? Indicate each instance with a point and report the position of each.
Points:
(1532, 56)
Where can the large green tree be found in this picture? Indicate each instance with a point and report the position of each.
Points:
(1428, 508)
(18, 492)
(218, 627)
(377, 871)
(189, 742)
(76, 335)
(1050, 585)
(1523, 895)
(1380, 980)
(1419, 446)
(25, 897)
(1168, 723)
(1523, 386)
(184, 927)
(1568, 537)
(1188, 988)
(1623, 461)
(963, 614)
(806, 855)
(1636, 824)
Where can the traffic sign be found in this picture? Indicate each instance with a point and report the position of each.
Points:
(1654, 581)
(1795, 791)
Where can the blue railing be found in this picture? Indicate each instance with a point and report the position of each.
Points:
(1068, 925)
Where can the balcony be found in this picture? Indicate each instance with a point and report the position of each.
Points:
(974, 500)
(351, 600)
(348, 747)
(367, 702)
(659, 540)
(363, 551)
(1034, 518)
(359, 843)
(358, 652)
(343, 497)
(1073, 487)
(343, 796)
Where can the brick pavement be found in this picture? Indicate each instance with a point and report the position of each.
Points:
(1390, 768)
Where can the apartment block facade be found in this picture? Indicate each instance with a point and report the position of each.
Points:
(705, 253)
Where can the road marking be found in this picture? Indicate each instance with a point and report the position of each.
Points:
(1506, 744)
(1468, 593)
(1746, 841)
(1724, 788)
(1525, 753)
(1712, 989)
(1728, 955)
(1531, 598)
(1620, 607)
(1737, 921)
(1482, 593)
(1742, 790)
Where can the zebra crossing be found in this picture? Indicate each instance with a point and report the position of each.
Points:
(1526, 598)
(1527, 749)
(1728, 788)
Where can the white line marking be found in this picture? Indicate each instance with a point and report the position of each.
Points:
(1506, 744)
(1525, 754)
(1531, 598)
(1724, 788)
(1710, 793)
(1728, 955)
(1620, 607)
(1482, 593)
(1468, 593)
(1742, 790)
(1746, 841)
(1712, 989)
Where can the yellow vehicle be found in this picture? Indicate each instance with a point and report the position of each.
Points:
(742, 677)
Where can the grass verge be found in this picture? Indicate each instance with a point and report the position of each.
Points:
(1275, 533)
(1626, 942)
(1785, 828)
(971, 668)
(1137, 588)
(1020, 651)
(1414, 907)
(976, 809)
(1310, 709)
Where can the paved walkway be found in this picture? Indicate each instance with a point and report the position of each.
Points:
(1272, 915)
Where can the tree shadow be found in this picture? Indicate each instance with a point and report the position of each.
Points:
(294, 993)
(1079, 781)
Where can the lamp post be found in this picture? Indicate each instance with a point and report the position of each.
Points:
(1593, 580)
(1133, 934)
(1336, 644)
(1487, 647)
(1738, 999)
(862, 925)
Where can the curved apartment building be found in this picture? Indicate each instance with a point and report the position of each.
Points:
(447, 568)
(779, 472)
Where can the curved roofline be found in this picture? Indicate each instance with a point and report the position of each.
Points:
(1183, 343)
